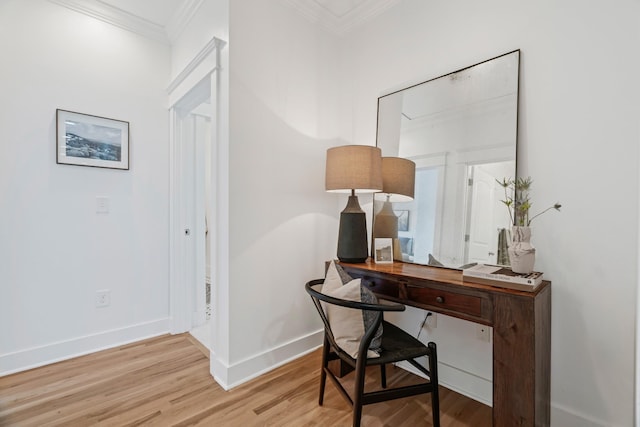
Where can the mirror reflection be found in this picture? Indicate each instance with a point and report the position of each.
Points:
(460, 129)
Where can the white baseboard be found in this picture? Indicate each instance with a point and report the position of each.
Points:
(481, 389)
(466, 383)
(470, 385)
(55, 352)
(474, 387)
(566, 417)
(229, 376)
(203, 334)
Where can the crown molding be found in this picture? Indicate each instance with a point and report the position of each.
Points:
(181, 18)
(214, 43)
(117, 17)
(340, 25)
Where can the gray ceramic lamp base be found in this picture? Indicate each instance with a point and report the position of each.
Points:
(352, 236)
(385, 224)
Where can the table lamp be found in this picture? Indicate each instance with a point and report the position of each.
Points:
(398, 185)
(352, 168)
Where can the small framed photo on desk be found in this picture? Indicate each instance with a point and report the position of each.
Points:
(383, 250)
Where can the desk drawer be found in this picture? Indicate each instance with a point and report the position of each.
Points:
(382, 286)
(464, 304)
(429, 295)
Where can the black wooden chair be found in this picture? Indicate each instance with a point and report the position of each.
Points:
(397, 346)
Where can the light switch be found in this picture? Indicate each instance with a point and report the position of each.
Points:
(102, 204)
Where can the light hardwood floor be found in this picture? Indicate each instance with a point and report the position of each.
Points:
(165, 381)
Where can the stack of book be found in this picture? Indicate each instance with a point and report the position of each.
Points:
(503, 277)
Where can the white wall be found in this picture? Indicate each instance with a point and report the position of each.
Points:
(282, 223)
(578, 139)
(275, 224)
(55, 251)
(210, 20)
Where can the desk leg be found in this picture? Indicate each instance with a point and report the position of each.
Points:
(522, 360)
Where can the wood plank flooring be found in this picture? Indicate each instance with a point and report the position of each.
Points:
(165, 381)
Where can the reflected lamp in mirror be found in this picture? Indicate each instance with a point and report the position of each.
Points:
(351, 169)
(398, 185)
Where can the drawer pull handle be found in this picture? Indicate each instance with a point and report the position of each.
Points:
(440, 300)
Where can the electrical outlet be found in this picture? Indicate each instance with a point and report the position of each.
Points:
(482, 332)
(103, 298)
(432, 321)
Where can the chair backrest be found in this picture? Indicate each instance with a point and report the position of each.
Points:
(313, 289)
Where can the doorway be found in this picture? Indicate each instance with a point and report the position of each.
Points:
(197, 165)
(192, 123)
(200, 119)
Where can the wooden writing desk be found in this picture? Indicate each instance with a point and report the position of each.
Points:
(521, 324)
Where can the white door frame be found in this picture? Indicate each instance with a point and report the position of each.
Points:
(198, 80)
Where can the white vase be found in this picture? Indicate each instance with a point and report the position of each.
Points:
(522, 255)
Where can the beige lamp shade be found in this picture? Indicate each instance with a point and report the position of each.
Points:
(398, 179)
(354, 167)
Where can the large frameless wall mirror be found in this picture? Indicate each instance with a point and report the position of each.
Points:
(460, 129)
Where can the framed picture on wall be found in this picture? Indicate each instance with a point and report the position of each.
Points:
(86, 140)
(403, 220)
(383, 248)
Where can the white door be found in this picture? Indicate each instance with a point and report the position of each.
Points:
(482, 234)
(191, 117)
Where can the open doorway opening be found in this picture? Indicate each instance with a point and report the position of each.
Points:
(195, 230)
(202, 124)
(192, 118)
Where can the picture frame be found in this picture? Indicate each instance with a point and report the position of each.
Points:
(406, 245)
(403, 220)
(383, 250)
(87, 140)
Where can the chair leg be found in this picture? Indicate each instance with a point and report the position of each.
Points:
(323, 372)
(358, 392)
(435, 393)
(383, 376)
